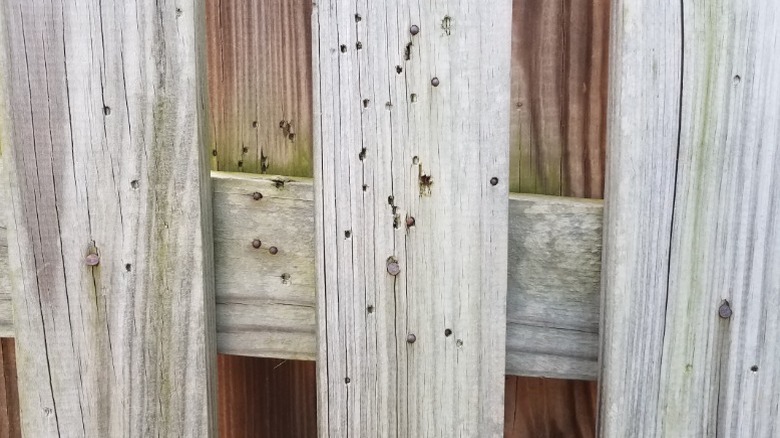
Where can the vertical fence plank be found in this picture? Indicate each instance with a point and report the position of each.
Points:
(411, 164)
(111, 232)
(691, 271)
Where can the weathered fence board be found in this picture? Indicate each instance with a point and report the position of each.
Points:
(411, 169)
(692, 222)
(111, 261)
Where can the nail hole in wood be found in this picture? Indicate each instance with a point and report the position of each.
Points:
(106, 110)
(347, 234)
(254, 124)
(347, 380)
(214, 152)
(134, 184)
(737, 79)
(358, 45)
(398, 69)
(447, 332)
(446, 25)
(365, 187)
(413, 97)
(343, 48)
(358, 18)
(257, 196)
(285, 278)
(754, 368)
(370, 309)
(365, 103)
(415, 160)
(240, 163)
(128, 267)
(408, 52)
(362, 154)
(459, 342)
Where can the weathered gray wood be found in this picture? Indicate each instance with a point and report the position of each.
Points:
(553, 281)
(6, 314)
(692, 220)
(111, 253)
(552, 299)
(265, 301)
(411, 125)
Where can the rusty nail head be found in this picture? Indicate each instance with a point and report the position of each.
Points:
(257, 196)
(393, 268)
(256, 243)
(410, 338)
(724, 311)
(409, 221)
(92, 260)
(273, 250)
(435, 82)
(493, 181)
(414, 30)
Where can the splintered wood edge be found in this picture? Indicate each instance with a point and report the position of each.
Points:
(553, 294)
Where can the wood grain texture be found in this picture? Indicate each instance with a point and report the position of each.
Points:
(9, 393)
(559, 84)
(265, 298)
(408, 126)
(108, 132)
(552, 300)
(283, 403)
(266, 302)
(549, 408)
(260, 86)
(6, 312)
(693, 222)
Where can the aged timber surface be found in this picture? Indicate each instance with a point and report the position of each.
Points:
(259, 59)
(265, 301)
(111, 262)
(691, 331)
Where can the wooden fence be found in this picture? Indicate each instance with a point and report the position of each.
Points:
(432, 283)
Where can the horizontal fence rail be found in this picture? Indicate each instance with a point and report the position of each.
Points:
(264, 269)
